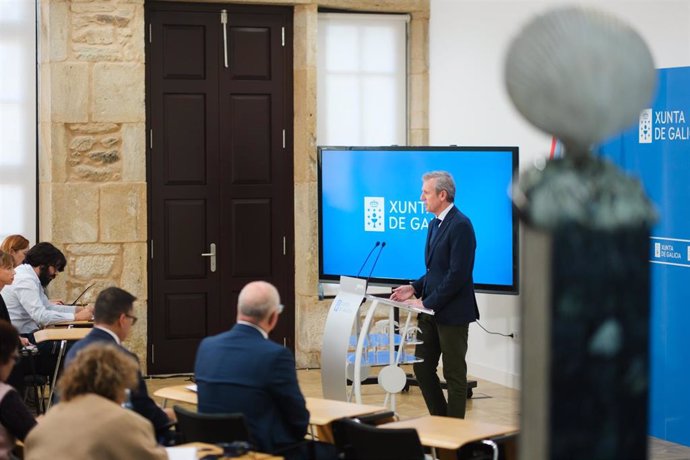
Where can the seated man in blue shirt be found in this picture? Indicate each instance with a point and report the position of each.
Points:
(241, 370)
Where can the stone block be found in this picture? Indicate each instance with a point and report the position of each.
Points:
(70, 92)
(118, 92)
(45, 211)
(94, 35)
(76, 216)
(87, 159)
(97, 266)
(136, 342)
(306, 239)
(123, 213)
(94, 249)
(133, 152)
(57, 149)
(57, 31)
(93, 53)
(133, 278)
(132, 37)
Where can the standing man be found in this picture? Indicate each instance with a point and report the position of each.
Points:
(113, 321)
(447, 288)
(241, 370)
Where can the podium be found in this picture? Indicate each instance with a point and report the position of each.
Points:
(335, 357)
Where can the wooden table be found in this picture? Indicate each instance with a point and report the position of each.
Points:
(74, 323)
(177, 393)
(449, 434)
(321, 411)
(203, 449)
(63, 335)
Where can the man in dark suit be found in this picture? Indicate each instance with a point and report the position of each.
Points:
(241, 370)
(447, 288)
(113, 320)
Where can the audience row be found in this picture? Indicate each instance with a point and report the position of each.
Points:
(240, 370)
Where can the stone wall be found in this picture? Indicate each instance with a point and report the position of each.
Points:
(92, 157)
(92, 146)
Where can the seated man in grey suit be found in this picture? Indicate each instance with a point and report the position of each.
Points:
(241, 370)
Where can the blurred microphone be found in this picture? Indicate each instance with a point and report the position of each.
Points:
(383, 245)
(367, 259)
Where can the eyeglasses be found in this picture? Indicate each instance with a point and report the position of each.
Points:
(133, 318)
(280, 308)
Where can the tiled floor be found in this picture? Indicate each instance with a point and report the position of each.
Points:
(491, 403)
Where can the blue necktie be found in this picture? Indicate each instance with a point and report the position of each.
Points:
(433, 228)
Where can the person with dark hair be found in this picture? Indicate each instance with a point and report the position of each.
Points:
(16, 246)
(447, 287)
(26, 299)
(90, 421)
(113, 321)
(15, 419)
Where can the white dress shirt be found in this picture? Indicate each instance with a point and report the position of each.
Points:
(247, 323)
(28, 304)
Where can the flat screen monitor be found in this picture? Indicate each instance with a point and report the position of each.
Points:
(370, 195)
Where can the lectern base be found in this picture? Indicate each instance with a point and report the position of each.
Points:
(412, 381)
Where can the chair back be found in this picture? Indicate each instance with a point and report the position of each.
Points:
(359, 441)
(211, 428)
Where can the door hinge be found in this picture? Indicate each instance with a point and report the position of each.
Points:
(153, 353)
(151, 246)
(283, 138)
(151, 139)
(284, 246)
(150, 33)
(282, 36)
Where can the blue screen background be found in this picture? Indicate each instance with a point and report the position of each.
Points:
(347, 176)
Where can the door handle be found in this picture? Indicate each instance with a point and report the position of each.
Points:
(212, 255)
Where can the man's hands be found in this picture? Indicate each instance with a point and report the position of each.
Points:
(402, 293)
(83, 313)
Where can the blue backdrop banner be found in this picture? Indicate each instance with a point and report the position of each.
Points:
(657, 151)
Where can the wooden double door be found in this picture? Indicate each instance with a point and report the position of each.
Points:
(220, 170)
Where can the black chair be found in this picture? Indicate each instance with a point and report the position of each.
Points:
(211, 428)
(359, 441)
(479, 450)
(499, 447)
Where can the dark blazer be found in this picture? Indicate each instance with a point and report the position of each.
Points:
(240, 371)
(447, 286)
(140, 399)
(4, 314)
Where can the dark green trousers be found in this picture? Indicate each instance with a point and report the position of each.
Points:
(451, 342)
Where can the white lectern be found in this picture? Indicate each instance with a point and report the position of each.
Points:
(336, 341)
(336, 337)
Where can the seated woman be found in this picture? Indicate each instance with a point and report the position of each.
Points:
(90, 421)
(16, 246)
(16, 376)
(15, 419)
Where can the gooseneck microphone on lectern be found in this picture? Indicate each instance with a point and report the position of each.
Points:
(371, 272)
(367, 259)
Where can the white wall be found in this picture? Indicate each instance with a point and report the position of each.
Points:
(469, 106)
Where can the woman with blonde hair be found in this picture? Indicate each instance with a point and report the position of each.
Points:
(89, 421)
(16, 246)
